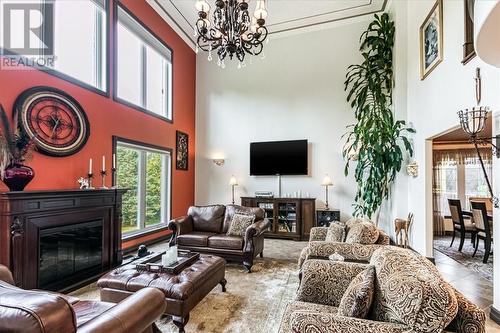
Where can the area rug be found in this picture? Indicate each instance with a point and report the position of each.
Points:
(442, 244)
(253, 302)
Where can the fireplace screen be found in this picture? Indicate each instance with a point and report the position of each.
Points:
(71, 251)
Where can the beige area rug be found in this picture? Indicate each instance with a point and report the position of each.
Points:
(253, 302)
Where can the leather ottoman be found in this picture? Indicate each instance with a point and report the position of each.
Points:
(182, 291)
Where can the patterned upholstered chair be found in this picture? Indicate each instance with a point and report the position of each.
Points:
(409, 296)
(320, 248)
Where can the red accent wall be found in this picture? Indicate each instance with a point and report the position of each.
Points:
(108, 118)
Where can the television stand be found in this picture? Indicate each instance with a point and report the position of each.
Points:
(291, 218)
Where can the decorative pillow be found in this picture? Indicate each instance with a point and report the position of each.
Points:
(335, 233)
(358, 297)
(239, 224)
(362, 233)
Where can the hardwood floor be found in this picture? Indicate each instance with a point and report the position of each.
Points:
(474, 287)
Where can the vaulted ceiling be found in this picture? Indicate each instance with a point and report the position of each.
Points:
(284, 15)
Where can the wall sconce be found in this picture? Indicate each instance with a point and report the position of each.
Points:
(327, 181)
(233, 182)
(218, 161)
(472, 122)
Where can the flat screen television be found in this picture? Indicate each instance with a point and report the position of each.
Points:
(278, 158)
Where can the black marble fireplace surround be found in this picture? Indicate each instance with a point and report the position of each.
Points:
(60, 240)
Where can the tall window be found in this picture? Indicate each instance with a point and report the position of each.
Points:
(78, 34)
(80, 40)
(146, 173)
(143, 68)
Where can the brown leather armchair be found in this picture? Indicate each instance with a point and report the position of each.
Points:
(204, 230)
(36, 311)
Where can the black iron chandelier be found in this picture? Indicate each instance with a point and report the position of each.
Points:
(232, 32)
(473, 122)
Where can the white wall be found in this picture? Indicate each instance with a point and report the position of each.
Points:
(296, 92)
(432, 104)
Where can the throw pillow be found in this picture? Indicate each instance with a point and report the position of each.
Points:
(335, 233)
(358, 297)
(239, 224)
(362, 233)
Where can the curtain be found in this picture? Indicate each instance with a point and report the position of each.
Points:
(447, 166)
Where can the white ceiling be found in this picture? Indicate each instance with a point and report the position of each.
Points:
(284, 15)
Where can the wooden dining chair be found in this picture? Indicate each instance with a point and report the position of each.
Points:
(462, 223)
(483, 227)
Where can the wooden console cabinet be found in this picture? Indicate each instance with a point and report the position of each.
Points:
(53, 218)
(291, 218)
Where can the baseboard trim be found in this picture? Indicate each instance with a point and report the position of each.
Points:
(495, 315)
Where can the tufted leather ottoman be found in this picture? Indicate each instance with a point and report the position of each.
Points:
(182, 291)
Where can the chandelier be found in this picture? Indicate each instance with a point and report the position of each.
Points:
(231, 31)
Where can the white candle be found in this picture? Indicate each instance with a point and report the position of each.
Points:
(114, 161)
(103, 163)
(90, 166)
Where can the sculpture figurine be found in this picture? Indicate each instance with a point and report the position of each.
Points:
(84, 183)
(402, 228)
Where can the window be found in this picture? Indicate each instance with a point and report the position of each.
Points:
(143, 68)
(79, 37)
(146, 173)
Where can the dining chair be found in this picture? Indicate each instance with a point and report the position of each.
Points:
(462, 223)
(484, 228)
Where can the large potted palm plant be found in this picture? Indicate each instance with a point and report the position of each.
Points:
(15, 147)
(376, 141)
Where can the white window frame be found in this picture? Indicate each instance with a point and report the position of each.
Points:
(148, 39)
(166, 185)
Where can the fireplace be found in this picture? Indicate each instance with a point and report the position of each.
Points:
(69, 253)
(60, 240)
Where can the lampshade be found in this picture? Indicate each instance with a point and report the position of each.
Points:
(327, 181)
(487, 30)
(474, 120)
(233, 181)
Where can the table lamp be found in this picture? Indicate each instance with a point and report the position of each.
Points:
(327, 181)
(233, 182)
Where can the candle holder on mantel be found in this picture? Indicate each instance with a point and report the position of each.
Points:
(89, 178)
(103, 177)
(113, 178)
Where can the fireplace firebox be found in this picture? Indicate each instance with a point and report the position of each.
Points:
(60, 240)
(70, 252)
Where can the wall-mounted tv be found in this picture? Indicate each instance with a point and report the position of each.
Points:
(278, 158)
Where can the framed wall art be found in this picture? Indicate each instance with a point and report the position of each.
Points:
(181, 150)
(431, 40)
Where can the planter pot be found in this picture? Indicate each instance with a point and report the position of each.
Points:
(17, 176)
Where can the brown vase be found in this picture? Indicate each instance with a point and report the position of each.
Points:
(17, 176)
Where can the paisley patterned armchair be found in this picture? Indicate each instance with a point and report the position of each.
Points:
(409, 296)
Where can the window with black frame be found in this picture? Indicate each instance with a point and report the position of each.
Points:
(77, 31)
(146, 173)
(143, 67)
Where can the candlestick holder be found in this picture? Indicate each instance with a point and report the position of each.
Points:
(103, 178)
(113, 178)
(89, 178)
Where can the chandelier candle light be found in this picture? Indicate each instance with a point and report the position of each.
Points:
(327, 181)
(232, 31)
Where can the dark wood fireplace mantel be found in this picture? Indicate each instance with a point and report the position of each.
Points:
(23, 215)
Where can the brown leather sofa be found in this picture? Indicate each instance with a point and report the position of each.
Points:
(204, 230)
(36, 311)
